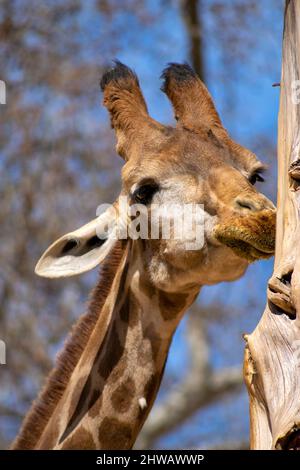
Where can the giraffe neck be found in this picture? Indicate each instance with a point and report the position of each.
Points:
(114, 384)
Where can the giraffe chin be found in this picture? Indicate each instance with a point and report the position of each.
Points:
(245, 250)
(251, 238)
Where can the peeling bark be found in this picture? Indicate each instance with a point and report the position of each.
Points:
(272, 355)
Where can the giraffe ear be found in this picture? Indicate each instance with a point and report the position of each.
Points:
(81, 250)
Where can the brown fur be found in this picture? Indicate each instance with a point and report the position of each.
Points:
(83, 440)
(171, 304)
(124, 100)
(123, 395)
(180, 80)
(115, 434)
(251, 238)
(44, 406)
(106, 360)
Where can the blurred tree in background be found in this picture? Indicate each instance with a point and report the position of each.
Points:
(58, 163)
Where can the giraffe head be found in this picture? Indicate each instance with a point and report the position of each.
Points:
(195, 163)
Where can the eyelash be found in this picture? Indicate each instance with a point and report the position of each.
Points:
(145, 193)
(256, 177)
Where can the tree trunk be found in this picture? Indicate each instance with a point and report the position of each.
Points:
(272, 354)
(190, 13)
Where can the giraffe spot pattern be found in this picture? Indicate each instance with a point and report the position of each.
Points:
(115, 434)
(118, 371)
(81, 439)
(123, 395)
(171, 304)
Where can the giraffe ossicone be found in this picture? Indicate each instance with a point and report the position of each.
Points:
(107, 377)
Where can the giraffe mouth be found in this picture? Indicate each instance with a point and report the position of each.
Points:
(251, 238)
(246, 250)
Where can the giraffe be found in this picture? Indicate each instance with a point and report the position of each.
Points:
(108, 374)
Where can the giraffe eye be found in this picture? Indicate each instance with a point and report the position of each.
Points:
(256, 177)
(144, 193)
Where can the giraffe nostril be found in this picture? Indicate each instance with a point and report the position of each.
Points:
(245, 204)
